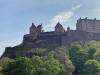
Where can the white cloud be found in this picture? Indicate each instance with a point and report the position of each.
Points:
(76, 7)
(62, 17)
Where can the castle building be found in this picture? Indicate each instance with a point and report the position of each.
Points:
(59, 28)
(86, 30)
(40, 28)
(33, 29)
(88, 25)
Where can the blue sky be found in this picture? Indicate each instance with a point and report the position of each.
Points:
(16, 16)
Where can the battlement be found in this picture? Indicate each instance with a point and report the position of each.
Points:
(87, 19)
(82, 26)
(88, 25)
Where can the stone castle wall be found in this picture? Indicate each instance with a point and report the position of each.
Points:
(86, 29)
(88, 25)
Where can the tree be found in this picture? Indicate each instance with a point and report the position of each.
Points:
(62, 55)
(37, 64)
(19, 66)
(92, 44)
(91, 52)
(97, 55)
(0, 70)
(78, 58)
(92, 67)
(4, 61)
(74, 49)
(52, 65)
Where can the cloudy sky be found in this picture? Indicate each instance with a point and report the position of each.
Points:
(16, 16)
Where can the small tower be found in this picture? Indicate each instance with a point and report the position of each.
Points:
(94, 19)
(32, 29)
(40, 28)
(86, 18)
(68, 28)
(59, 28)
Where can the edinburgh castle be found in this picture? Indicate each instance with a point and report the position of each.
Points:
(86, 30)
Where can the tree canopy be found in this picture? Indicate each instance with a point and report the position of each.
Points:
(92, 67)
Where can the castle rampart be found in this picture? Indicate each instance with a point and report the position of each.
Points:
(88, 25)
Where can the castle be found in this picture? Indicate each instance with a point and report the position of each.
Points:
(86, 30)
(88, 25)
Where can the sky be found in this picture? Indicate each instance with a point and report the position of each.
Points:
(16, 16)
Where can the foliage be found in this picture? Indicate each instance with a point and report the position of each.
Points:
(92, 44)
(83, 58)
(78, 58)
(0, 70)
(91, 52)
(37, 50)
(62, 55)
(97, 55)
(92, 67)
(52, 65)
(33, 66)
(4, 61)
(37, 63)
(19, 66)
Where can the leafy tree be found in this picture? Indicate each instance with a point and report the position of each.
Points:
(37, 64)
(91, 52)
(78, 58)
(74, 49)
(4, 61)
(92, 44)
(19, 66)
(97, 55)
(52, 65)
(34, 66)
(0, 70)
(92, 67)
(62, 55)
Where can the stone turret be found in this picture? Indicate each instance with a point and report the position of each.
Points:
(59, 28)
(40, 28)
(68, 28)
(33, 29)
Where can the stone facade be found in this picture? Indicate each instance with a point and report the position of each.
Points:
(84, 32)
(33, 29)
(59, 28)
(88, 25)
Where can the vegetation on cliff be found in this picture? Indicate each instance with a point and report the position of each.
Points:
(82, 58)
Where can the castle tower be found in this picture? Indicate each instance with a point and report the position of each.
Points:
(59, 28)
(68, 28)
(32, 29)
(40, 28)
(88, 25)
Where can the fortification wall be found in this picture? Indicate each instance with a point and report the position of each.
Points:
(88, 25)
